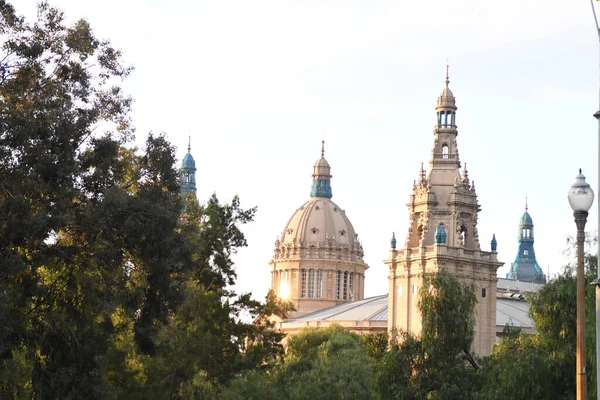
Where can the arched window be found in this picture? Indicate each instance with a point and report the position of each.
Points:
(525, 252)
(303, 283)
(445, 151)
(420, 231)
(311, 283)
(319, 283)
(338, 280)
(462, 235)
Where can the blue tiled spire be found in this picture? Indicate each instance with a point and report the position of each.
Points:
(525, 267)
(187, 173)
(321, 186)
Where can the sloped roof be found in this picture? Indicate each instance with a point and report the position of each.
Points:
(369, 309)
(513, 312)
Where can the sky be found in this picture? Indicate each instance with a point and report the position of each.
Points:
(258, 85)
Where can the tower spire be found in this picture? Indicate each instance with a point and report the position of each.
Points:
(447, 73)
(322, 148)
(187, 172)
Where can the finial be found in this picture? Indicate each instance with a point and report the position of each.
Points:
(579, 170)
(393, 241)
(526, 207)
(447, 73)
(494, 243)
(422, 175)
(189, 143)
(322, 148)
(465, 175)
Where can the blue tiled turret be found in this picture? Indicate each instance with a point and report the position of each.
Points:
(321, 186)
(187, 173)
(525, 267)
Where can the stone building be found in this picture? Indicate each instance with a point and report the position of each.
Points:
(443, 212)
(318, 261)
(442, 233)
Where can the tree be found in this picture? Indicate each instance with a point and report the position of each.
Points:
(327, 363)
(111, 284)
(542, 365)
(439, 363)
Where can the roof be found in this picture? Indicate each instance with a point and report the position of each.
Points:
(526, 220)
(369, 309)
(510, 309)
(514, 313)
(188, 162)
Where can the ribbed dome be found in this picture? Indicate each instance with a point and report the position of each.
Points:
(446, 99)
(526, 220)
(188, 162)
(319, 220)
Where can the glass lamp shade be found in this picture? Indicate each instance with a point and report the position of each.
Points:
(581, 195)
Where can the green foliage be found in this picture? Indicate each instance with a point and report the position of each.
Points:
(376, 344)
(111, 285)
(328, 363)
(542, 366)
(438, 364)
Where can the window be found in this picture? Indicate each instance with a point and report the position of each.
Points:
(311, 283)
(337, 284)
(414, 289)
(483, 292)
(319, 283)
(445, 152)
(462, 236)
(303, 283)
(399, 290)
(525, 252)
(345, 285)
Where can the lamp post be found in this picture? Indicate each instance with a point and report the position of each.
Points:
(596, 282)
(581, 197)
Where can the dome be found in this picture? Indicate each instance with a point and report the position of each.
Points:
(188, 162)
(446, 99)
(322, 168)
(526, 219)
(318, 222)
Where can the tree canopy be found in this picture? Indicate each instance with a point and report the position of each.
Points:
(111, 284)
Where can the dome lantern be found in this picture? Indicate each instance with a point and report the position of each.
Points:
(321, 186)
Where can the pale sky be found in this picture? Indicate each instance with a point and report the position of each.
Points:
(258, 84)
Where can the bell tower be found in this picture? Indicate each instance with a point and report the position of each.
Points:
(442, 234)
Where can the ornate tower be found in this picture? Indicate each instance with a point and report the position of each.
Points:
(318, 258)
(525, 267)
(442, 234)
(187, 173)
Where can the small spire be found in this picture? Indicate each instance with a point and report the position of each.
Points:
(189, 143)
(422, 175)
(322, 148)
(447, 73)
(526, 207)
(393, 241)
(494, 243)
(465, 174)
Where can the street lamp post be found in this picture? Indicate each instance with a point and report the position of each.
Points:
(581, 197)
(596, 282)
